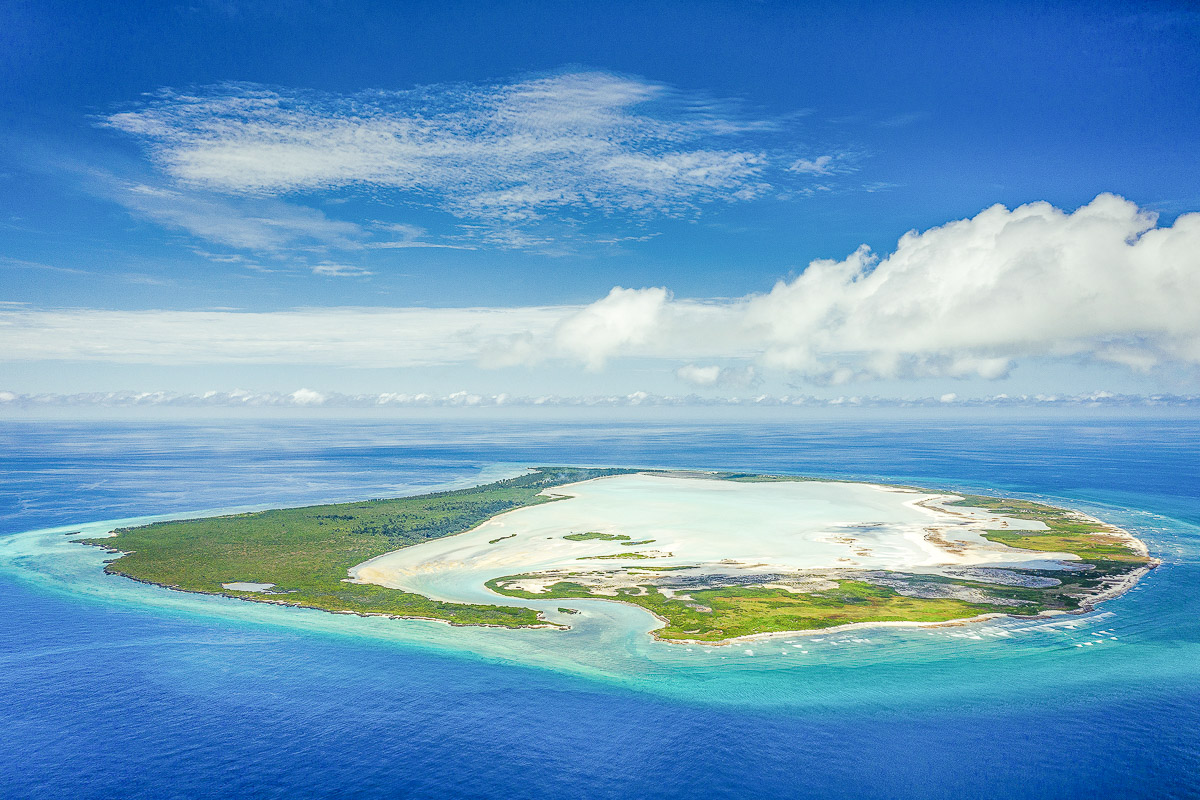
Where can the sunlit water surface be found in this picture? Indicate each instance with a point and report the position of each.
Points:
(116, 689)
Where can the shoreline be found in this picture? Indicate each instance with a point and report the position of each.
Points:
(266, 599)
(1086, 607)
(1086, 604)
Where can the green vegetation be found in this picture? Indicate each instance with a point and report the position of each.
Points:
(1067, 532)
(568, 610)
(307, 552)
(1067, 594)
(615, 555)
(584, 537)
(712, 615)
(716, 614)
(742, 477)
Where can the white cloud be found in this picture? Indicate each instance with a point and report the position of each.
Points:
(355, 337)
(7, 262)
(333, 270)
(405, 236)
(258, 224)
(622, 321)
(813, 166)
(965, 299)
(310, 399)
(264, 226)
(829, 164)
(502, 153)
(307, 397)
(968, 299)
(699, 376)
(714, 375)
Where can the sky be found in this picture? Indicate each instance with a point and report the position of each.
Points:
(318, 204)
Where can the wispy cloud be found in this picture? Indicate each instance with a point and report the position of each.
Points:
(838, 163)
(292, 237)
(258, 224)
(903, 120)
(332, 270)
(503, 154)
(18, 263)
(400, 236)
(821, 165)
(825, 174)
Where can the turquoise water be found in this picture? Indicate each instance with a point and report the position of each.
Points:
(116, 689)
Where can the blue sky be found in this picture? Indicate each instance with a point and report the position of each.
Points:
(576, 200)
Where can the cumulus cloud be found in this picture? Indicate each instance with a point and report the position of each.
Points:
(504, 153)
(306, 397)
(965, 299)
(623, 321)
(968, 299)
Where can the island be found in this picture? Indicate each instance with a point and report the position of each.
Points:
(715, 556)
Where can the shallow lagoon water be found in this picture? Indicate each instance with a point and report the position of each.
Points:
(763, 527)
(113, 688)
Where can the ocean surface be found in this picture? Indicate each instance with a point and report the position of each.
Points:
(114, 689)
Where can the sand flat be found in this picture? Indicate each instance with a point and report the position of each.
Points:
(767, 527)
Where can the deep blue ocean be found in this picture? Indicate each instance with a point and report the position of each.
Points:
(111, 689)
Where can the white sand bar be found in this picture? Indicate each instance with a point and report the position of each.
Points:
(245, 586)
(720, 526)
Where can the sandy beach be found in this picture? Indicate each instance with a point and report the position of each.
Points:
(627, 528)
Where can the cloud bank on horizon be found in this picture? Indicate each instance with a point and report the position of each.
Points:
(304, 398)
(970, 298)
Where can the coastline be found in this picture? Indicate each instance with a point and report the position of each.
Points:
(1087, 607)
(1086, 604)
(266, 598)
